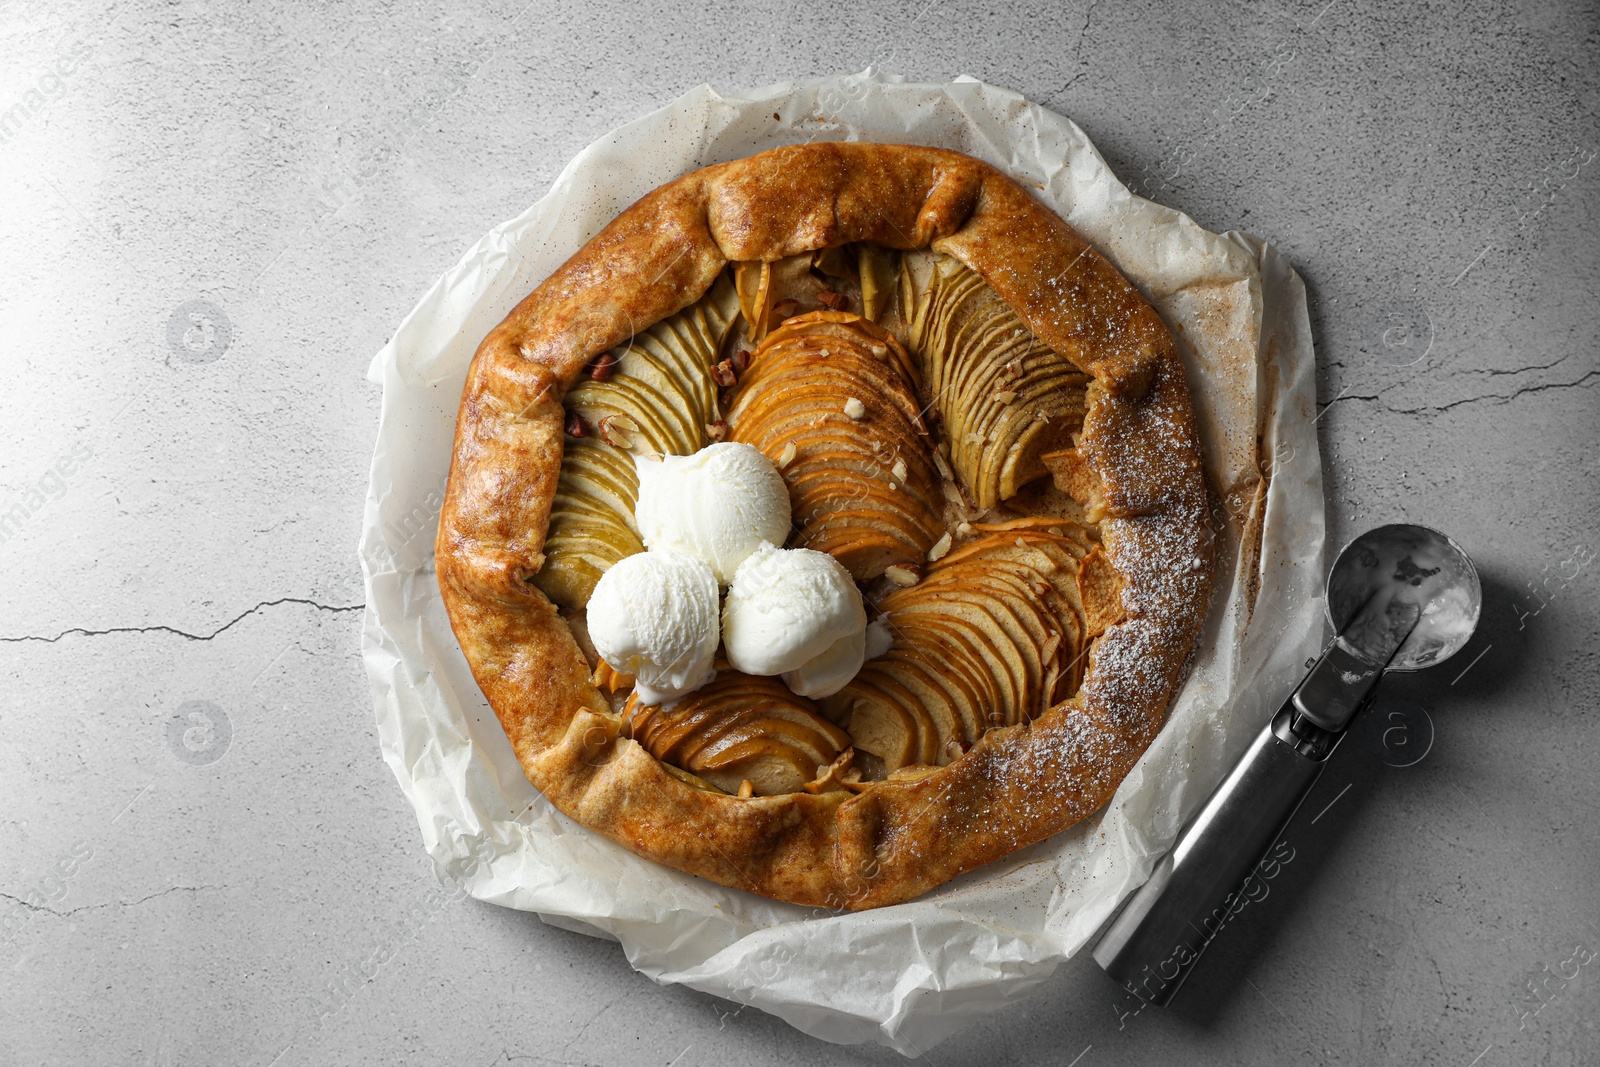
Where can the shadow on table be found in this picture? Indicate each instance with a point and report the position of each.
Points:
(1357, 775)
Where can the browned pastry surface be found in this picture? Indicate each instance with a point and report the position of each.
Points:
(1135, 465)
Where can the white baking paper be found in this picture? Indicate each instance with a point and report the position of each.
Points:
(909, 975)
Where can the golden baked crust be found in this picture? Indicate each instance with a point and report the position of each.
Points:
(1137, 464)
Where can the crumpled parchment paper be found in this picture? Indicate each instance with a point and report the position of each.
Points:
(909, 975)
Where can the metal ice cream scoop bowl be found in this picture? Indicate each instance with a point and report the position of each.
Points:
(1400, 598)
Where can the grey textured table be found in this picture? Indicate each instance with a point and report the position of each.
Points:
(200, 839)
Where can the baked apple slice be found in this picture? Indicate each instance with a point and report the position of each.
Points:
(654, 394)
(999, 629)
(828, 397)
(808, 438)
(1005, 397)
(991, 636)
(889, 721)
(879, 271)
(741, 729)
(944, 657)
(657, 393)
(771, 292)
(591, 520)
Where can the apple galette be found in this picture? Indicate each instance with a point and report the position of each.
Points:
(830, 524)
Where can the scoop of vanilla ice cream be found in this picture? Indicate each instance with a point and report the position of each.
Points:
(879, 637)
(825, 674)
(654, 615)
(787, 612)
(716, 505)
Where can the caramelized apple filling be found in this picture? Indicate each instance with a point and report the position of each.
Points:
(829, 399)
(591, 520)
(654, 394)
(1005, 397)
(899, 397)
(742, 734)
(994, 634)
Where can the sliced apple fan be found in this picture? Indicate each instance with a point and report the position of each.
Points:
(899, 397)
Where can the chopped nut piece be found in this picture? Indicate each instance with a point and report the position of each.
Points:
(746, 789)
(741, 360)
(602, 366)
(855, 408)
(833, 301)
(575, 426)
(943, 465)
(903, 574)
(878, 350)
(784, 308)
(786, 457)
(974, 438)
(940, 547)
(899, 470)
(717, 430)
(724, 374)
(964, 529)
(954, 749)
(826, 353)
(1005, 396)
(618, 430)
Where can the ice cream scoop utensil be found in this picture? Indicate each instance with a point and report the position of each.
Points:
(1400, 597)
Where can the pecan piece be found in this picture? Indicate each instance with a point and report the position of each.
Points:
(601, 367)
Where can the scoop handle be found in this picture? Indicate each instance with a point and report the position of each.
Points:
(1212, 870)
